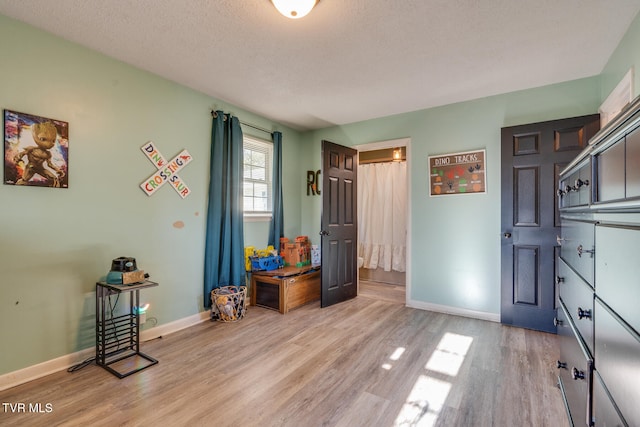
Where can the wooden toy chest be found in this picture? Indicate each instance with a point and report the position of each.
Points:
(286, 288)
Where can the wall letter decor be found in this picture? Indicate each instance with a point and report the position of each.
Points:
(313, 183)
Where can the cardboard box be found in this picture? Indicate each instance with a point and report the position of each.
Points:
(130, 277)
(315, 255)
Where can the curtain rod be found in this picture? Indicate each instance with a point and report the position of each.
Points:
(368, 162)
(214, 114)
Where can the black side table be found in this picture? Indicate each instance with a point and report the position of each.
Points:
(118, 338)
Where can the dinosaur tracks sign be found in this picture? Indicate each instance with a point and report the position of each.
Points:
(457, 173)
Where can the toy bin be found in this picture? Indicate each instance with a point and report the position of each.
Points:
(228, 303)
(267, 263)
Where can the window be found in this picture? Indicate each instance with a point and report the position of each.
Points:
(257, 163)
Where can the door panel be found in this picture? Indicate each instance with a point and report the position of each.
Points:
(339, 224)
(525, 186)
(532, 156)
(527, 263)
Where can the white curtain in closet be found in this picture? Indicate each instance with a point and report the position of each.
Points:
(382, 216)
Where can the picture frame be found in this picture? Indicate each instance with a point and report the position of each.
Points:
(36, 150)
(457, 173)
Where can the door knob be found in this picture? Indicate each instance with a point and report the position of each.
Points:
(561, 365)
(577, 374)
(507, 235)
(325, 233)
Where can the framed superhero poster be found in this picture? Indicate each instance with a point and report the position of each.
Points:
(36, 150)
(457, 173)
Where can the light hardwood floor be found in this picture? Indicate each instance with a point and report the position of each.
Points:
(384, 291)
(365, 362)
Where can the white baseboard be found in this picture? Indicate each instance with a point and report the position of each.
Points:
(40, 370)
(175, 326)
(31, 373)
(482, 315)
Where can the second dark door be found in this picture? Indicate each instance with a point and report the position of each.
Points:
(339, 224)
(532, 157)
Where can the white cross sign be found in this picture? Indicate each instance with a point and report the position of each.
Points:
(167, 172)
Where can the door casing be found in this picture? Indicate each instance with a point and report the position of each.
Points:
(397, 143)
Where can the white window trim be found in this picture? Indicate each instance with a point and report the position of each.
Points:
(257, 217)
(619, 98)
(262, 216)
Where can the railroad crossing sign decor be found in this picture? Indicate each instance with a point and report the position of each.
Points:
(167, 171)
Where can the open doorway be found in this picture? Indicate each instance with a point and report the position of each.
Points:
(383, 220)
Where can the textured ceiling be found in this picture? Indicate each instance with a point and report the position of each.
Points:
(348, 60)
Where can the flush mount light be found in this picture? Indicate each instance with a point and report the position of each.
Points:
(294, 9)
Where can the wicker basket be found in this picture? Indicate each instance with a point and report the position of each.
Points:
(228, 303)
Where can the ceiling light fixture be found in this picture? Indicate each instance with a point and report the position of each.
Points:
(294, 9)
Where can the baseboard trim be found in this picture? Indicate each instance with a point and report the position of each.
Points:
(175, 326)
(31, 373)
(40, 370)
(456, 311)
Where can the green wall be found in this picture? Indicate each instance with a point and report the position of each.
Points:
(455, 241)
(56, 243)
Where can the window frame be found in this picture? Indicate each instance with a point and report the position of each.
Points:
(266, 147)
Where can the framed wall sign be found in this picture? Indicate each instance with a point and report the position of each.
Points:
(457, 173)
(36, 150)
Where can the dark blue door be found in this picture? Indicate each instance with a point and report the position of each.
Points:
(339, 224)
(532, 157)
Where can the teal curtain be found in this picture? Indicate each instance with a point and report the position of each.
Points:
(276, 230)
(224, 242)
